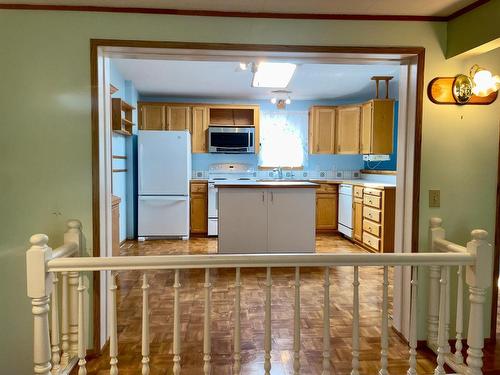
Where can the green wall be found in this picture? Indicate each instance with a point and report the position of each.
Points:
(475, 28)
(45, 142)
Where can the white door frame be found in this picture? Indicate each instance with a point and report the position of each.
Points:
(406, 146)
(105, 186)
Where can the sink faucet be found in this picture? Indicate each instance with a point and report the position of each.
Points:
(280, 172)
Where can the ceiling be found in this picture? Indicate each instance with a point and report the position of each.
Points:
(441, 8)
(224, 80)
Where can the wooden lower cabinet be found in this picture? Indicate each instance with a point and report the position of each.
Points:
(199, 207)
(115, 225)
(357, 218)
(378, 219)
(327, 207)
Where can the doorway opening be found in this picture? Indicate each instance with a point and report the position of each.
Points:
(111, 167)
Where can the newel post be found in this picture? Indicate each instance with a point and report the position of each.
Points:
(39, 285)
(436, 231)
(479, 279)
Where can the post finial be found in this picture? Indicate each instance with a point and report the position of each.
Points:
(436, 222)
(39, 240)
(74, 224)
(479, 234)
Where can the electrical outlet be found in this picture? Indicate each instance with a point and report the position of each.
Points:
(434, 198)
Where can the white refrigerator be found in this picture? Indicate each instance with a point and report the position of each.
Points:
(164, 169)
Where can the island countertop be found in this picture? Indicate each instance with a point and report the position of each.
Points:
(266, 184)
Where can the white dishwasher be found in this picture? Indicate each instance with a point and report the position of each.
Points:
(345, 210)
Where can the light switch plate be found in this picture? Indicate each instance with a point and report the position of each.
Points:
(434, 198)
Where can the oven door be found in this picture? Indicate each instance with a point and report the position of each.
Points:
(231, 140)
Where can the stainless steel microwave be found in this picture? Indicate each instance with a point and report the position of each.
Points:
(231, 139)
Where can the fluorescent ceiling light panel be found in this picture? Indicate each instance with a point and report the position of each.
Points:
(275, 75)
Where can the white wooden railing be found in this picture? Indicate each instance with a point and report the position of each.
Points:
(479, 279)
(44, 267)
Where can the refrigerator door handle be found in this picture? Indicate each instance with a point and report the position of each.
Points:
(164, 198)
(141, 146)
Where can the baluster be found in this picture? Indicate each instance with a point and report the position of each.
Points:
(459, 358)
(267, 325)
(81, 335)
(177, 326)
(145, 326)
(479, 279)
(113, 335)
(56, 355)
(207, 367)
(39, 285)
(442, 325)
(237, 324)
(73, 313)
(73, 234)
(433, 309)
(296, 333)
(326, 323)
(64, 321)
(435, 232)
(447, 321)
(355, 323)
(384, 343)
(413, 323)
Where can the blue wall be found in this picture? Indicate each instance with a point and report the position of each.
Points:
(311, 163)
(391, 164)
(124, 184)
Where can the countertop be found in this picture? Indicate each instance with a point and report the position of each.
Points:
(266, 184)
(360, 182)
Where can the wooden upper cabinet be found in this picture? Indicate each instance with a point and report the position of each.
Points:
(199, 127)
(178, 117)
(348, 124)
(377, 124)
(366, 128)
(322, 130)
(152, 117)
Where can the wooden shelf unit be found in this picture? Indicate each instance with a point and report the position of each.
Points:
(121, 116)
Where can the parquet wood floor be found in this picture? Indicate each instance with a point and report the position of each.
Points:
(252, 316)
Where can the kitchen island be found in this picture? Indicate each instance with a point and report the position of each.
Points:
(266, 217)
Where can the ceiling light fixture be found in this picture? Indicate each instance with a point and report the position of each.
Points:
(243, 66)
(281, 98)
(278, 75)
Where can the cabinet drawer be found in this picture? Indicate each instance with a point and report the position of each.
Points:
(358, 191)
(372, 200)
(199, 187)
(327, 188)
(371, 191)
(372, 214)
(371, 241)
(371, 227)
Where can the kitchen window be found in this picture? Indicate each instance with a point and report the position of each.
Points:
(283, 139)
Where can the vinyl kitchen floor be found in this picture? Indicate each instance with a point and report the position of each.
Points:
(252, 316)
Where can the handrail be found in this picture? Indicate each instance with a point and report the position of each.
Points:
(262, 260)
(66, 250)
(448, 246)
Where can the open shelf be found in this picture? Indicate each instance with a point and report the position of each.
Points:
(122, 116)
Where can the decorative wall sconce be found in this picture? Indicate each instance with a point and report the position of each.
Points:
(479, 87)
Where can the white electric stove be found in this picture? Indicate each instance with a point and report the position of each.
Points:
(224, 172)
